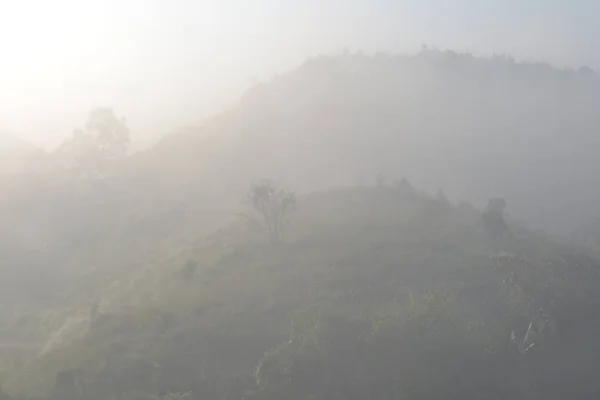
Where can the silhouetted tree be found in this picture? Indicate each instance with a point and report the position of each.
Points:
(493, 217)
(91, 151)
(406, 188)
(271, 206)
(109, 131)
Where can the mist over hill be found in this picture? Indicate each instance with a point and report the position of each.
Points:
(477, 127)
(374, 291)
(138, 276)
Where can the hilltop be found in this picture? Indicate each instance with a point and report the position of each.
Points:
(478, 127)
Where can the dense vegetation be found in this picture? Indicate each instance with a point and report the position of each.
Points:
(161, 275)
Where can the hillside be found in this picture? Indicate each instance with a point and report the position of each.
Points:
(375, 292)
(143, 282)
(478, 127)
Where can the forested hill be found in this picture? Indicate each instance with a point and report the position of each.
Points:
(478, 127)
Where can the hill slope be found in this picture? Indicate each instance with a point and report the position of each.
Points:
(376, 292)
(477, 127)
(108, 261)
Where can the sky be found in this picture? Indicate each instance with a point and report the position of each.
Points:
(164, 64)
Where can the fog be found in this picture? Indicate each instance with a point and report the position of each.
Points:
(167, 64)
(294, 200)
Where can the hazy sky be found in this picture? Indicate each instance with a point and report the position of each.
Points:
(168, 63)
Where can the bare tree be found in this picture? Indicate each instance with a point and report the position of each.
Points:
(271, 206)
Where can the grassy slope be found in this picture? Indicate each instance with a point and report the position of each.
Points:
(378, 257)
(459, 121)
